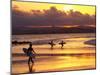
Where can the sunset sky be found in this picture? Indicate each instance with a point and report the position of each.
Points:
(28, 6)
(28, 15)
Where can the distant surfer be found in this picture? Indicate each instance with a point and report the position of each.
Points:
(52, 44)
(62, 43)
(31, 53)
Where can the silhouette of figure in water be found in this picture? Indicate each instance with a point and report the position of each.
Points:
(31, 53)
(30, 68)
(52, 44)
(62, 44)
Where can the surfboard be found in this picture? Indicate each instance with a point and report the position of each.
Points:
(51, 43)
(62, 43)
(28, 54)
(25, 51)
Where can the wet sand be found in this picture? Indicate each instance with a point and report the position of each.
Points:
(74, 56)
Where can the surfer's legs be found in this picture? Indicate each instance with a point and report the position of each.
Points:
(32, 60)
(29, 60)
(30, 65)
(51, 46)
(61, 46)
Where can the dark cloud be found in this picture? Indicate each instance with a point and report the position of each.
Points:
(53, 16)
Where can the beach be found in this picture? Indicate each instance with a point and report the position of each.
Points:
(75, 55)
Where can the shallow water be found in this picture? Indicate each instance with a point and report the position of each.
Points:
(75, 55)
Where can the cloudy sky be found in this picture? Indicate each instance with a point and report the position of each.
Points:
(26, 15)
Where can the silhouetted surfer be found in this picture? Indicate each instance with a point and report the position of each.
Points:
(62, 43)
(31, 53)
(52, 44)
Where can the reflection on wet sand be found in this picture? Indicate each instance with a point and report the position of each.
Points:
(75, 55)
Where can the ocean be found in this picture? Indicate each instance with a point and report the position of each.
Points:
(75, 54)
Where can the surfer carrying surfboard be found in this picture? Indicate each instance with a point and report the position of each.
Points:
(52, 44)
(31, 53)
(62, 43)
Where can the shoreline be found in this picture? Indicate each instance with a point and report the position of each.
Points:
(91, 42)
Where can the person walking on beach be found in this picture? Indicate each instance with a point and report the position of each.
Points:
(62, 44)
(52, 44)
(31, 53)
